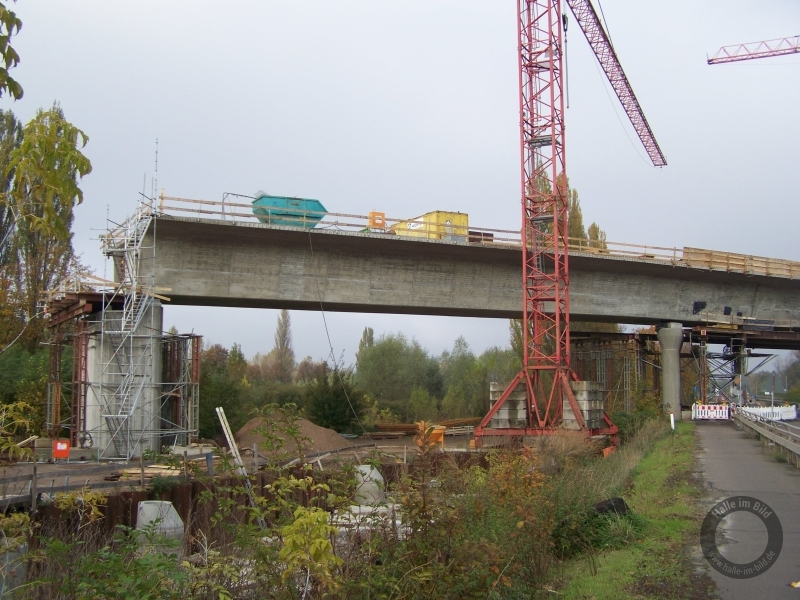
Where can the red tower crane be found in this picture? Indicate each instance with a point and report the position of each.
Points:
(546, 372)
(765, 49)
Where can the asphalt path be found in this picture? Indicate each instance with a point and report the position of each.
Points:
(735, 465)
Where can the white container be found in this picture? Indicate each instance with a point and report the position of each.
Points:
(370, 486)
(165, 520)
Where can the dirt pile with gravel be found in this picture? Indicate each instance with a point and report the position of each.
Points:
(320, 438)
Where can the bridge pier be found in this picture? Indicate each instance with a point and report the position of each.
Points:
(670, 337)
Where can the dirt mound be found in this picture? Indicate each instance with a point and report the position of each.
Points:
(321, 439)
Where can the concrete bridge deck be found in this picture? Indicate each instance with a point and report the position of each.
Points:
(215, 262)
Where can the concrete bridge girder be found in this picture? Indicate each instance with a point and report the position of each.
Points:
(222, 263)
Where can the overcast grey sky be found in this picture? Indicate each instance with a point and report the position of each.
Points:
(411, 106)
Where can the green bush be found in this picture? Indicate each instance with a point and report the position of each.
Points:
(630, 423)
(125, 569)
(590, 530)
(333, 401)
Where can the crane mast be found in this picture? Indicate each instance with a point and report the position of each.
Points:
(545, 266)
(544, 209)
(546, 373)
(765, 49)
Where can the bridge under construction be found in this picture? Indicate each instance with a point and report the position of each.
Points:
(135, 387)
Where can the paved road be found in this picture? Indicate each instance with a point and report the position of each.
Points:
(734, 465)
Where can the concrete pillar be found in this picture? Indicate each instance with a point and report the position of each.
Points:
(670, 336)
(146, 357)
(739, 371)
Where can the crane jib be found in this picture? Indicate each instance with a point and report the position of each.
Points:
(598, 39)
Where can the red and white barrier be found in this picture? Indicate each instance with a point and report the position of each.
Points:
(710, 411)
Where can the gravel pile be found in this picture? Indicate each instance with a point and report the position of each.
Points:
(321, 439)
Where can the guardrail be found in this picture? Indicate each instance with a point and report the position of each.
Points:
(26, 488)
(232, 209)
(784, 435)
(463, 430)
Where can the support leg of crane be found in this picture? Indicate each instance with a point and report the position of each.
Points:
(500, 401)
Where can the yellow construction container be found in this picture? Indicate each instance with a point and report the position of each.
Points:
(436, 225)
(437, 435)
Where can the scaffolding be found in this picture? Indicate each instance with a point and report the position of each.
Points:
(128, 338)
(722, 376)
(132, 387)
(624, 369)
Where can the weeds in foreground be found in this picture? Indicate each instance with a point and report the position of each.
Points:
(446, 531)
(664, 491)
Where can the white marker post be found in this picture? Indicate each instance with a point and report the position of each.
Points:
(672, 420)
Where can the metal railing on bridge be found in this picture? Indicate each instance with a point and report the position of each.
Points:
(711, 260)
(781, 433)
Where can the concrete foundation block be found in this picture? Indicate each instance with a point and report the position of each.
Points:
(514, 412)
(508, 423)
(589, 397)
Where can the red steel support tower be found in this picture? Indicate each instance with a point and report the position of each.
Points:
(545, 271)
(546, 372)
(545, 277)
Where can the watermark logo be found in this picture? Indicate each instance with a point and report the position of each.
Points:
(708, 535)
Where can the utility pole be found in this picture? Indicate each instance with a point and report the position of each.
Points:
(772, 395)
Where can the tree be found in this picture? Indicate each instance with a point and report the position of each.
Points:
(283, 355)
(237, 363)
(220, 387)
(334, 401)
(453, 403)
(392, 367)
(597, 237)
(23, 378)
(10, 139)
(422, 406)
(41, 167)
(517, 341)
(214, 357)
(501, 364)
(9, 26)
(466, 379)
(308, 370)
(575, 229)
(367, 341)
(260, 368)
(11, 320)
(44, 172)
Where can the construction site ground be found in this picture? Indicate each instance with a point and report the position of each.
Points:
(118, 476)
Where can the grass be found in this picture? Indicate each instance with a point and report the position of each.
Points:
(778, 455)
(665, 493)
